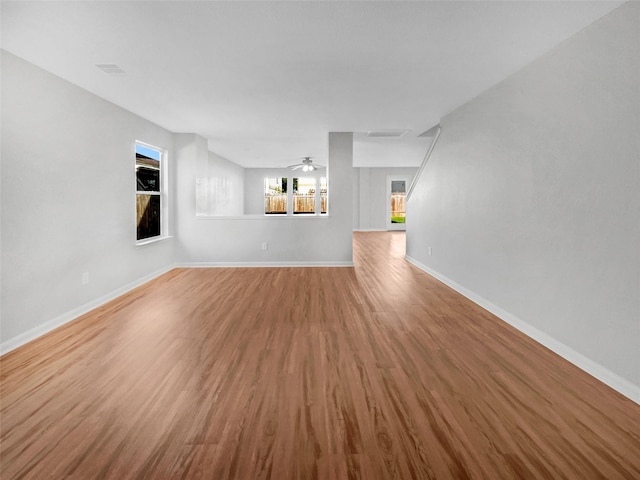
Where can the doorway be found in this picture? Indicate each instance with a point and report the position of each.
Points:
(397, 186)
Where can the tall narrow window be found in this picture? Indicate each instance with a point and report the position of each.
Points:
(304, 195)
(275, 196)
(148, 192)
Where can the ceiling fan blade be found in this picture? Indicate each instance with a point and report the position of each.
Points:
(296, 167)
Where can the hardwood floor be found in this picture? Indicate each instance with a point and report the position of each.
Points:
(372, 372)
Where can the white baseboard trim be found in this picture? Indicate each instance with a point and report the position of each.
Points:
(261, 264)
(369, 229)
(66, 317)
(615, 381)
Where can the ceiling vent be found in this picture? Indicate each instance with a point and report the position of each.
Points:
(110, 68)
(387, 133)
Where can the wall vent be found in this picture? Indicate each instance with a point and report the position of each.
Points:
(110, 68)
(387, 133)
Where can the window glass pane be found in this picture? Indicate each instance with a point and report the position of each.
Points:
(398, 186)
(148, 215)
(323, 195)
(304, 195)
(148, 179)
(398, 197)
(147, 152)
(275, 196)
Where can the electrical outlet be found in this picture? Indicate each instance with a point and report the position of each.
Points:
(85, 278)
(265, 246)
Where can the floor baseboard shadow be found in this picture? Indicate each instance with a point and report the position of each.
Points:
(618, 383)
(44, 328)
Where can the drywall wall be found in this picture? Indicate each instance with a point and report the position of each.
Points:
(370, 199)
(299, 240)
(220, 187)
(68, 201)
(531, 199)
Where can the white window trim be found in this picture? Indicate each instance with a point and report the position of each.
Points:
(290, 213)
(164, 197)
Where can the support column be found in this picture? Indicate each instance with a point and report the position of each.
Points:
(340, 178)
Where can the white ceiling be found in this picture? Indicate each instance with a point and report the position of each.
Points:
(265, 81)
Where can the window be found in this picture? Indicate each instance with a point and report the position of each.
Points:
(304, 195)
(149, 202)
(275, 196)
(323, 195)
(295, 196)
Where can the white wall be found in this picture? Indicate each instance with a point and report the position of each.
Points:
(68, 206)
(291, 240)
(220, 187)
(68, 200)
(531, 199)
(370, 199)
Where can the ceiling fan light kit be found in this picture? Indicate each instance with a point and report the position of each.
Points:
(306, 165)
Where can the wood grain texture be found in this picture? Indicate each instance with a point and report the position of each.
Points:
(373, 372)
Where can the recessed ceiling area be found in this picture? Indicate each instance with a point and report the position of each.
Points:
(265, 81)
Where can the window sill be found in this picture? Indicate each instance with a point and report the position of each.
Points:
(149, 241)
(259, 217)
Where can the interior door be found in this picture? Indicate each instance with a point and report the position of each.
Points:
(397, 186)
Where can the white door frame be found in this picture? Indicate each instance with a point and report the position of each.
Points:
(392, 178)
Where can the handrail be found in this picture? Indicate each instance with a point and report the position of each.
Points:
(426, 159)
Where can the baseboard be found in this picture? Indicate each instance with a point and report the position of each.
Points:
(261, 264)
(369, 229)
(66, 317)
(618, 383)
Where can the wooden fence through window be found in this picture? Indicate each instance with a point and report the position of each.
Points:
(277, 204)
(398, 204)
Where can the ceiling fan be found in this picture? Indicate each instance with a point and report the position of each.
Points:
(306, 165)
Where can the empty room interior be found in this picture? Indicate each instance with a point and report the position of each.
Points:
(320, 239)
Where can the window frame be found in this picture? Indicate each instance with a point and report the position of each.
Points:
(162, 193)
(284, 185)
(314, 197)
(317, 199)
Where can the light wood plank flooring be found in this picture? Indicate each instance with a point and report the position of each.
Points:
(373, 372)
